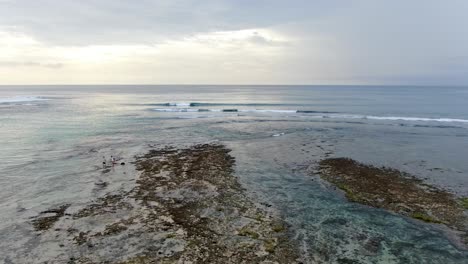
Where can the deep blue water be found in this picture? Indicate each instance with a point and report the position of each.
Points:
(53, 138)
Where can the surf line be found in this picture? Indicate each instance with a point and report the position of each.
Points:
(320, 114)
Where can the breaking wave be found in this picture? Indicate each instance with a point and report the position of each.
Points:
(232, 110)
(316, 114)
(401, 118)
(196, 104)
(176, 104)
(176, 110)
(20, 99)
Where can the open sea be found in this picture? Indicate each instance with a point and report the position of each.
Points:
(53, 139)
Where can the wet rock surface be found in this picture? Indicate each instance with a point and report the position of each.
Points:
(396, 191)
(186, 207)
(47, 219)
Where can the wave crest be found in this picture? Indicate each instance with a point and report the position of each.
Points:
(317, 114)
(20, 99)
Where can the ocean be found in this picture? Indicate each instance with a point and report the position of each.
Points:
(53, 140)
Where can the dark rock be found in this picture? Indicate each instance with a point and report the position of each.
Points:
(395, 191)
(42, 223)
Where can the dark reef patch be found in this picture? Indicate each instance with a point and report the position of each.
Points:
(187, 207)
(46, 219)
(396, 191)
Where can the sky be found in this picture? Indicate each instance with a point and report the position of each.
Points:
(398, 42)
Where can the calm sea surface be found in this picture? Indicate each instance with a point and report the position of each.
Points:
(53, 139)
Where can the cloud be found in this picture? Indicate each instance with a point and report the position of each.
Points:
(102, 22)
(386, 42)
(30, 64)
(234, 41)
(221, 56)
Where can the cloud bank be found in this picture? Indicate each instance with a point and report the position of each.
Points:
(233, 42)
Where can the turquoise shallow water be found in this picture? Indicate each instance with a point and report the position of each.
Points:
(53, 139)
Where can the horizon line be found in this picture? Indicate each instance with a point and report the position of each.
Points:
(136, 84)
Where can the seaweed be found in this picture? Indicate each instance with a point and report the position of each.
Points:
(186, 205)
(397, 191)
(43, 223)
(464, 202)
(425, 217)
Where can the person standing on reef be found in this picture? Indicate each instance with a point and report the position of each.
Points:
(113, 160)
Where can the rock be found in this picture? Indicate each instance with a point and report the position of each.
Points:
(395, 191)
(186, 206)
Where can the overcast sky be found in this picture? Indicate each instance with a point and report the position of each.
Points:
(234, 42)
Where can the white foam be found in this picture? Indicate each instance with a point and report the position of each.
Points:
(317, 114)
(268, 111)
(20, 99)
(175, 110)
(222, 110)
(418, 119)
(398, 118)
(178, 104)
(278, 135)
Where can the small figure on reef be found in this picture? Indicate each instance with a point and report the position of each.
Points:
(113, 160)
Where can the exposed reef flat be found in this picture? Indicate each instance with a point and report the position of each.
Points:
(186, 207)
(398, 192)
(47, 218)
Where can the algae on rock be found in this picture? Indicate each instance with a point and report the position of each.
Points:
(395, 191)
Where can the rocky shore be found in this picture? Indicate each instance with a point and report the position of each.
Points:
(186, 207)
(398, 192)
